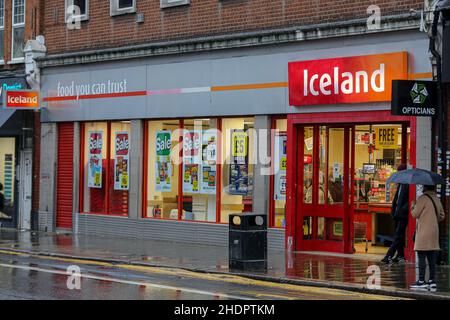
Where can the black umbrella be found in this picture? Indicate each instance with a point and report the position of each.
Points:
(416, 176)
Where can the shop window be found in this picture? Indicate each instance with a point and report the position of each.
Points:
(237, 170)
(308, 165)
(331, 165)
(7, 177)
(18, 29)
(106, 166)
(200, 141)
(162, 171)
(95, 167)
(307, 228)
(119, 167)
(330, 229)
(279, 175)
(376, 159)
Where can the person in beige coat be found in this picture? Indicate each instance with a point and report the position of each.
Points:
(428, 212)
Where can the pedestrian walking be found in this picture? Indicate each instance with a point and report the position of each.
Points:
(400, 213)
(428, 212)
(2, 203)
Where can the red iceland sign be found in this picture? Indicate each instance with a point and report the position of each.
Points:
(346, 80)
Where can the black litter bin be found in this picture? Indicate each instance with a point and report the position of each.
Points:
(248, 242)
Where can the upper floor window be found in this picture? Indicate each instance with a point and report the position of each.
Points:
(18, 29)
(77, 9)
(122, 6)
(173, 3)
(2, 30)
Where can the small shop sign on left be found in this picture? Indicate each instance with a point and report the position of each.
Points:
(21, 99)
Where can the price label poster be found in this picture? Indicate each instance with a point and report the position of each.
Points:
(163, 173)
(95, 159)
(239, 180)
(209, 152)
(280, 166)
(122, 161)
(191, 178)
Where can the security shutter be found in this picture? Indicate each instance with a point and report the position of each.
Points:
(64, 201)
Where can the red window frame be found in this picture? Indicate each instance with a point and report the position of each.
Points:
(108, 164)
(180, 176)
(355, 117)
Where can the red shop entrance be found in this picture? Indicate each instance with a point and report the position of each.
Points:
(323, 207)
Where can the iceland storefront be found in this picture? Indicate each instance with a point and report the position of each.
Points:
(166, 147)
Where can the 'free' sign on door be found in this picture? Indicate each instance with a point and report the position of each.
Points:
(386, 137)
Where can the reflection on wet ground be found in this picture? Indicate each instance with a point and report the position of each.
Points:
(348, 269)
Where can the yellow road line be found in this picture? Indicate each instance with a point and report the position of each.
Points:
(233, 279)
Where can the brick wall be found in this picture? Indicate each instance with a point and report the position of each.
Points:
(33, 27)
(201, 17)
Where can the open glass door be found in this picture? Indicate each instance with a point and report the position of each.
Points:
(323, 181)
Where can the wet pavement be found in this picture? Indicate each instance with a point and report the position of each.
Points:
(323, 270)
(24, 276)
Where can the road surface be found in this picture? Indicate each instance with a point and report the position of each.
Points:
(24, 276)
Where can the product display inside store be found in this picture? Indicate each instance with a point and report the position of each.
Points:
(379, 150)
(372, 152)
(192, 179)
(7, 176)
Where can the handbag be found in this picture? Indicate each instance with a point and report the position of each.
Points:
(435, 211)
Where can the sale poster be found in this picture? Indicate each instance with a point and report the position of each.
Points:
(122, 161)
(163, 170)
(95, 159)
(192, 144)
(280, 166)
(239, 175)
(208, 168)
(209, 146)
(191, 178)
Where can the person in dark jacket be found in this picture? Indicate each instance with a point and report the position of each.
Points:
(2, 202)
(400, 211)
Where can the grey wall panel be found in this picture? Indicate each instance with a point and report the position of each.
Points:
(248, 102)
(223, 67)
(180, 105)
(176, 231)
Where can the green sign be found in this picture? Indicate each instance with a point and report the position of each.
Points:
(163, 143)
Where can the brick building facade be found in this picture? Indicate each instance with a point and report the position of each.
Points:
(21, 21)
(220, 40)
(201, 18)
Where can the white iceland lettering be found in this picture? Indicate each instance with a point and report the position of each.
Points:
(345, 82)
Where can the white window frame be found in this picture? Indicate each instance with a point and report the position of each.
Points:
(2, 28)
(81, 17)
(115, 10)
(173, 3)
(15, 26)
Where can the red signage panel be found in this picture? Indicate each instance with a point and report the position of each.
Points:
(346, 80)
(21, 99)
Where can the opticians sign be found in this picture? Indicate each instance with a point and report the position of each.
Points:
(414, 98)
(21, 99)
(346, 80)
